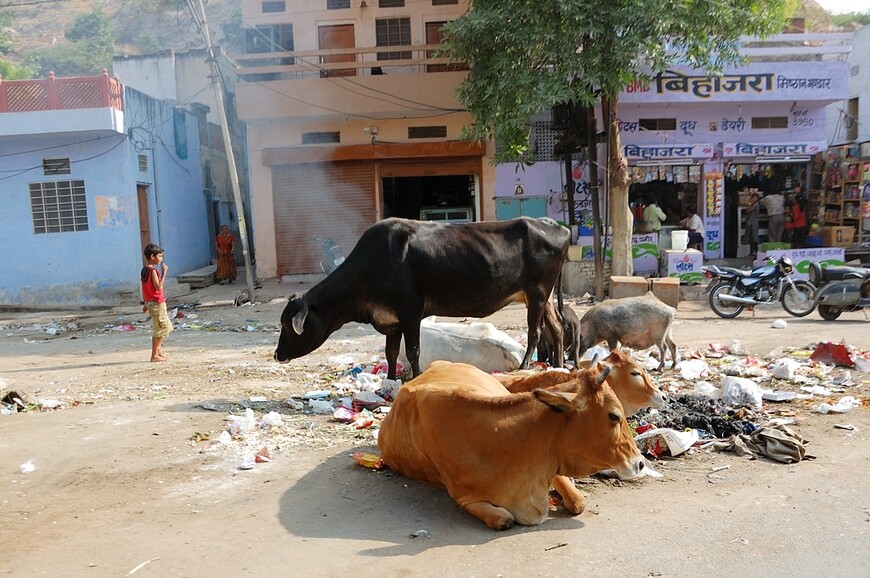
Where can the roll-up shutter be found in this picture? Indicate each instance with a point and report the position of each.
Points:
(320, 200)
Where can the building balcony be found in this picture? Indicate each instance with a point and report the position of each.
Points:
(46, 105)
(372, 82)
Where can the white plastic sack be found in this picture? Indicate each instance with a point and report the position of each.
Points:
(478, 344)
(784, 368)
(845, 404)
(739, 391)
(693, 369)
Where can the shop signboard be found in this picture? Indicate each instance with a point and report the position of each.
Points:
(803, 258)
(773, 149)
(644, 250)
(683, 264)
(757, 81)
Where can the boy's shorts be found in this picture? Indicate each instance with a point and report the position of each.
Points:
(161, 325)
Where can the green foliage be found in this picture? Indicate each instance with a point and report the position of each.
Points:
(526, 56)
(92, 44)
(8, 71)
(5, 35)
(848, 18)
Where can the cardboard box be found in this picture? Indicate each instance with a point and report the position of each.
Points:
(838, 236)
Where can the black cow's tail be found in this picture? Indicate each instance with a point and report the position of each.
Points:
(559, 294)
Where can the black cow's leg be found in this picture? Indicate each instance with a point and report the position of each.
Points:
(535, 317)
(411, 332)
(391, 351)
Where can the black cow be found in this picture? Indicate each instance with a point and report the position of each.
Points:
(401, 271)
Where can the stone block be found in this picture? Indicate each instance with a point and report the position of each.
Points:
(624, 286)
(667, 289)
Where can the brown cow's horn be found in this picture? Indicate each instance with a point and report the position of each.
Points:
(602, 376)
(594, 361)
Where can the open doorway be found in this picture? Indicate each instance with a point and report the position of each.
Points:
(430, 198)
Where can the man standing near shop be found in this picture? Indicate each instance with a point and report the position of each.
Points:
(774, 204)
(653, 216)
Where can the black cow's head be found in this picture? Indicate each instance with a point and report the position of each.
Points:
(302, 330)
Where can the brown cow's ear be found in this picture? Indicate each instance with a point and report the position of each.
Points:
(299, 318)
(616, 356)
(558, 401)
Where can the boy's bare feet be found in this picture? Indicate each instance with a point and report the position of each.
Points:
(159, 358)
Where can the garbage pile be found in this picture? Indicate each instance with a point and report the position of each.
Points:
(718, 397)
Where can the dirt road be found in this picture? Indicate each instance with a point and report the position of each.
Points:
(122, 479)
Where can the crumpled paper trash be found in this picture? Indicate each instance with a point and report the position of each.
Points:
(784, 368)
(691, 369)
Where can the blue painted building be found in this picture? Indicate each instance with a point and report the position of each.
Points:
(89, 173)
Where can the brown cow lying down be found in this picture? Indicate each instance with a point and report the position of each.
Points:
(630, 382)
(496, 453)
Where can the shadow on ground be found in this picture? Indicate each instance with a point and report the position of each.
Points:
(339, 499)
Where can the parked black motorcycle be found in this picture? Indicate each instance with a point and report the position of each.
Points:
(731, 289)
(840, 289)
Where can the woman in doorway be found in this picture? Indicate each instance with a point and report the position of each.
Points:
(226, 265)
(798, 222)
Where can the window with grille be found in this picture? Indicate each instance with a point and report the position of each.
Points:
(273, 7)
(393, 32)
(657, 123)
(444, 2)
(59, 207)
(277, 38)
(337, 4)
(391, 3)
(769, 122)
(55, 167)
(143, 163)
(321, 137)
(427, 131)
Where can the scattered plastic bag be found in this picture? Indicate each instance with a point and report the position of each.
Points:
(779, 324)
(599, 350)
(367, 460)
(691, 369)
(784, 368)
(739, 392)
(28, 467)
(708, 389)
(344, 359)
(390, 389)
(845, 404)
(271, 419)
(320, 405)
(736, 348)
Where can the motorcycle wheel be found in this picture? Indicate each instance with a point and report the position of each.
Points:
(829, 313)
(724, 309)
(798, 300)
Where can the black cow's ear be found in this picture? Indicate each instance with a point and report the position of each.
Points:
(299, 318)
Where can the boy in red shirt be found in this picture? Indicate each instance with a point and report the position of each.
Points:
(155, 299)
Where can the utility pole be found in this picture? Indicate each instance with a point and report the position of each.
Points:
(199, 18)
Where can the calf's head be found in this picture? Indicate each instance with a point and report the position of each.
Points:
(594, 435)
(302, 330)
(632, 384)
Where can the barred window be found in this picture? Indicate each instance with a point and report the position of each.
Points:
(657, 123)
(391, 3)
(337, 4)
(55, 167)
(59, 207)
(393, 32)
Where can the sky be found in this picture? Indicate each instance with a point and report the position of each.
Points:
(841, 6)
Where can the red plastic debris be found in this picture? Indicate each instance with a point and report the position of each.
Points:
(832, 353)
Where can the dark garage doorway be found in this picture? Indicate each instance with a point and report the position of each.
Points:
(407, 196)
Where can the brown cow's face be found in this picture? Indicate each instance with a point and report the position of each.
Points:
(632, 384)
(597, 436)
(302, 330)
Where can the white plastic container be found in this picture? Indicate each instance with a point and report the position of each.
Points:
(679, 240)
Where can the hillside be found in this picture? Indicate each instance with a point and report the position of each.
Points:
(141, 25)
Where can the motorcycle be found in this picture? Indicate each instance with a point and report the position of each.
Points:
(332, 255)
(840, 289)
(731, 289)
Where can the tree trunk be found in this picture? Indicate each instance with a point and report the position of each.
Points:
(620, 215)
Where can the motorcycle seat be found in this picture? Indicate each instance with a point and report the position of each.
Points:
(736, 271)
(838, 273)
